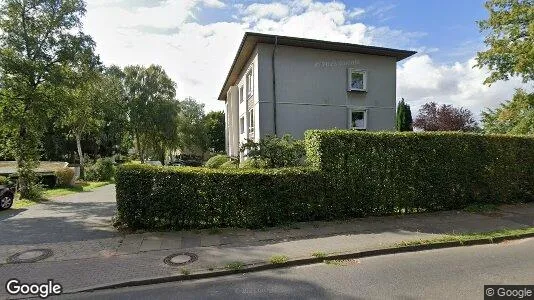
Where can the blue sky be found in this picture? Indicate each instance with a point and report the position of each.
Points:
(195, 40)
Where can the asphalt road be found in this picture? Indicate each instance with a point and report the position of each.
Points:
(457, 273)
(76, 217)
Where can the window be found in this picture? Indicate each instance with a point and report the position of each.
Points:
(241, 96)
(250, 118)
(357, 80)
(358, 120)
(250, 82)
(242, 125)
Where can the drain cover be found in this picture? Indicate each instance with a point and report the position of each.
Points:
(29, 256)
(180, 259)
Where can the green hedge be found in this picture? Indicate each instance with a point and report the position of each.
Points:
(181, 197)
(382, 173)
(352, 174)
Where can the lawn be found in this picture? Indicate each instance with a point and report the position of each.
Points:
(79, 187)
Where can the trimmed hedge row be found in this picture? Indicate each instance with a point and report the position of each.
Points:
(352, 174)
(181, 197)
(387, 172)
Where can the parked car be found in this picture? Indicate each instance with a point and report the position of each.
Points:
(7, 195)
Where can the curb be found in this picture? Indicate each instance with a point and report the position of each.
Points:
(304, 261)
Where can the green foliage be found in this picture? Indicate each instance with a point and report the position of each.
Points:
(276, 152)
(278, 259)
(4, 180)
(102, 170)
(253, 163)
(184, 197)
(231, 164)
(510, 39)
(217, 160)
(404, 117)
(386, 173)
(152, 111)
(215, 129)
(64, 176)
(353, 174)
(192, 132)
(39, 41)
(515, 116)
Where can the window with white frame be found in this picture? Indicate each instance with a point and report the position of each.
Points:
(357, 80)
(241, 95)
(249, 82)
(242, 125)
(358, 119)
(250, 118)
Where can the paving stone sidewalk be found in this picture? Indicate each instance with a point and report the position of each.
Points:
(86, 263)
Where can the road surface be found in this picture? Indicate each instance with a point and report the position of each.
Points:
(457, 273)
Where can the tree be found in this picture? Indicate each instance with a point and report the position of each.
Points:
(510, 38)
(215, 129)
(515, 116)
(432, 117)
(91, 103)
(39, 40)
(192, 135)
(147, 90)
(404, 117)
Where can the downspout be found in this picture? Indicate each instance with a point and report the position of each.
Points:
(274, 85)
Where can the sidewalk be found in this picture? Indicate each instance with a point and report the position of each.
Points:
(85, 264)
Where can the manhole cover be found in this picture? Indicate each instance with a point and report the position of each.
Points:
(180, 259)
(29, 256)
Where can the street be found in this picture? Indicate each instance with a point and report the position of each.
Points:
(457, 273)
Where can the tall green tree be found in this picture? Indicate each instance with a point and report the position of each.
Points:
(192, 134)
(515, 116)
(39, 40)
(88, 104)
(510, 38)
(404, 117)
(215, 130)
(149, 91)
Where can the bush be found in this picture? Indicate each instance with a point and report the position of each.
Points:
(352, 174)
(217, 161)
(231, 164)
(4, 180)
(64, 176)
(253, 163)
(276, 152)
(384, 173)
(102, 170)
(183, 197)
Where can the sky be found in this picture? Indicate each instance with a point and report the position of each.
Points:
(196, 41)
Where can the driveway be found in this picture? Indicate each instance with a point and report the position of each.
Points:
(77, 217)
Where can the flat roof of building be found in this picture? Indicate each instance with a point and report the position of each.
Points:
(251, 39)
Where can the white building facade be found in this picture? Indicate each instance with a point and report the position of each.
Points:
(280, 85)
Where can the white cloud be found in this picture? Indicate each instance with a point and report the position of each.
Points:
(198, 56)
(421, 80)
(272, 11)
(214, 3)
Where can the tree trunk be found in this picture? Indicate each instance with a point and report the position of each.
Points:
(80, 154)
(139, 150)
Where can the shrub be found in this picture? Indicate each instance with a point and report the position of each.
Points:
(64, 176)
(352, 174)
(231, 164)
(276, 152)
(184, 197)
(253, 163)
(217, 161)
(383, 173)
(102, 170)
(4, 180)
